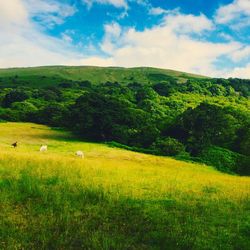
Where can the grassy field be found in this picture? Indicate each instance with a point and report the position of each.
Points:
(113, 199)
(53, 75)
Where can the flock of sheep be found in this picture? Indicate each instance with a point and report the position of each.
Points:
(44, 148)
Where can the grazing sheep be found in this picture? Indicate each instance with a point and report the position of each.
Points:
(14, 145)
(79, 154)
(43, 148)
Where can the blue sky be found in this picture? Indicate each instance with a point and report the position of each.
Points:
(205, 37)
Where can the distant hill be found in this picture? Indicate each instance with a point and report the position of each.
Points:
(53, 75)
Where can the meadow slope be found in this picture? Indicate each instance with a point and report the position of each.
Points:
(113, 199)
(53, 75)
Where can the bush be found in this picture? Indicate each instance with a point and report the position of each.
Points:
(226, 160)
(7, 114)
(169, 146)
(14, 96)
(52, 114)
(24, 110)
(243, 164)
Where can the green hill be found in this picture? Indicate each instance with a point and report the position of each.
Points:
(113, 198)
(53, 75)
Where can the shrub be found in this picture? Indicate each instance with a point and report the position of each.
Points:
(226, 160)
(52, 114)
(14, 96)
(243, 164)
(24, 109)
(169, 146)
(7, 114)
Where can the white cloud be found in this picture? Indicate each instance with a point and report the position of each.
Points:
(93, 60)
(226, 36)
(237, 14)
(187, 23)
(240, 72)
(12, 13)
(172, 45)
(66, 37)
(112, 34)
(157, 11)
(22, 43)
(116, 3)
(49, 12)
(241, 54)
(167, 46)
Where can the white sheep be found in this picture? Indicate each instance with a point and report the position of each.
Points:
(43, 148)
(79, 154)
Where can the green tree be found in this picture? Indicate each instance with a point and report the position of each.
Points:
(52, 114)
(205, 125)
(14, 96)
(168, 146)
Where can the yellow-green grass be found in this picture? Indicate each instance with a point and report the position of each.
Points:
(113, 198)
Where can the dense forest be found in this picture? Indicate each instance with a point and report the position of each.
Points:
(191, 118)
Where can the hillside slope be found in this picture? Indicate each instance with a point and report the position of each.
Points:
(112, 199)
(53, 75)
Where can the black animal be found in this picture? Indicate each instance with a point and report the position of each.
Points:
(14, 144)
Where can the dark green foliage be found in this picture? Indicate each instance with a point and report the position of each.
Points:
(51, 114)
(243, 165)
(195, 86)
(68, 84)
(169, 146)
(85, 84)
(144, 93)
(14, 96)
(99, 117)
(218, 90)
(224, 160)
(242, 144)
(25, 110)
(240, 85)
(49, 94)
(9, 115)
(165, 88)
(207, 124)
(115, 89)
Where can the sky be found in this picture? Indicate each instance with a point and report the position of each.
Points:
(208, 37)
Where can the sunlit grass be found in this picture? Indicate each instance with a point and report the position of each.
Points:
(113, 199)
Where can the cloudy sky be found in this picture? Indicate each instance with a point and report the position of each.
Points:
(209, 37)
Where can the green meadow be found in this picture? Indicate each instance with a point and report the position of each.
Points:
(53, 75)
(113, 198)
